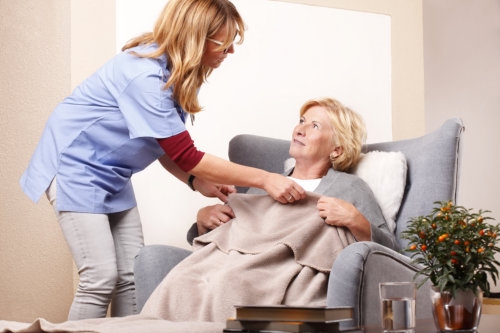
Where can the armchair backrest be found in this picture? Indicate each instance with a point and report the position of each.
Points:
(432, 160)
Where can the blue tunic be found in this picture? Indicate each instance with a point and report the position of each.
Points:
(104, 132)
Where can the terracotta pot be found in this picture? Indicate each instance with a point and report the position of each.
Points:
(460, 313)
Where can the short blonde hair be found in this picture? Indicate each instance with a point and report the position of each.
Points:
(349, 131)
(181, 33)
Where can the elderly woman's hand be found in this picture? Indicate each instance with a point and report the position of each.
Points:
(210, 217)
(340, 213)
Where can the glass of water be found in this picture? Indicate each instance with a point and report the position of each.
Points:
(397, 302)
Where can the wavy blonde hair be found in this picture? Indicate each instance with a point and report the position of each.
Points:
(349, 131)
(181, 32)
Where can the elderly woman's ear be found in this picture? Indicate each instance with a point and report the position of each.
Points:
(336, 152)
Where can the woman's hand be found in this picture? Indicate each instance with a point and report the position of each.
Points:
(210, 217)
(283, 189)
(212, 190)
(340, 213)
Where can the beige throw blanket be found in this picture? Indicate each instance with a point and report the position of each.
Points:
(130, 324)
(270, 254)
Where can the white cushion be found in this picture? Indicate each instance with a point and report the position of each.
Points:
(385, 173)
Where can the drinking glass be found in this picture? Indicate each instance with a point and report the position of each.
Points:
(397, 302)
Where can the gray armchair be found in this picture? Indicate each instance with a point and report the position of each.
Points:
(433, 164)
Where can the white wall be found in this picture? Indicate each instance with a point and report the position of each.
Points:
(291, 53)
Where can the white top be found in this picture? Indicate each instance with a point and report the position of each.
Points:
(307, 184)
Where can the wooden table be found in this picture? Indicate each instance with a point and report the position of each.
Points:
(490, 323)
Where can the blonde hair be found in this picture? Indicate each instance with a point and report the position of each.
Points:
(181, 32)
(349, 131)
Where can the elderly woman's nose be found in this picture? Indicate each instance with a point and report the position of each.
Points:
(299, 130)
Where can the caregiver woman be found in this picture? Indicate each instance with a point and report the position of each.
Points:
(129, 113)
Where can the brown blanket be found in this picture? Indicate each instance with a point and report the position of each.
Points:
(270, 254)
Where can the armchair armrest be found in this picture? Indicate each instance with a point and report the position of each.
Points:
(152, 264)
(355, 277)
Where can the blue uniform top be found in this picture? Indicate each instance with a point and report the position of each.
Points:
(104, 132)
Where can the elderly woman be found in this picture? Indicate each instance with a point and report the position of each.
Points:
(261, 252)
(326, 144)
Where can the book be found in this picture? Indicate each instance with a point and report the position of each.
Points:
(293, 313)
(244, 330)
(235, 330)
(282, 326)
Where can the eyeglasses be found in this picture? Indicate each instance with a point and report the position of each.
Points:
(218, 42)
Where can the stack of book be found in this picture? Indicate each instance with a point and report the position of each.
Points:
(280, 318)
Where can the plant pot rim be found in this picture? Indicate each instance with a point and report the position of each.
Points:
(474, 290)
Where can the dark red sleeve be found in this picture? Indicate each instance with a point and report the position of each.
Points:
(180, 148)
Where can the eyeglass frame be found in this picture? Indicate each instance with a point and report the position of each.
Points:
(218, 42)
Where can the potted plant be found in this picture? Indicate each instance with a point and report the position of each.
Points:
(456, 249)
